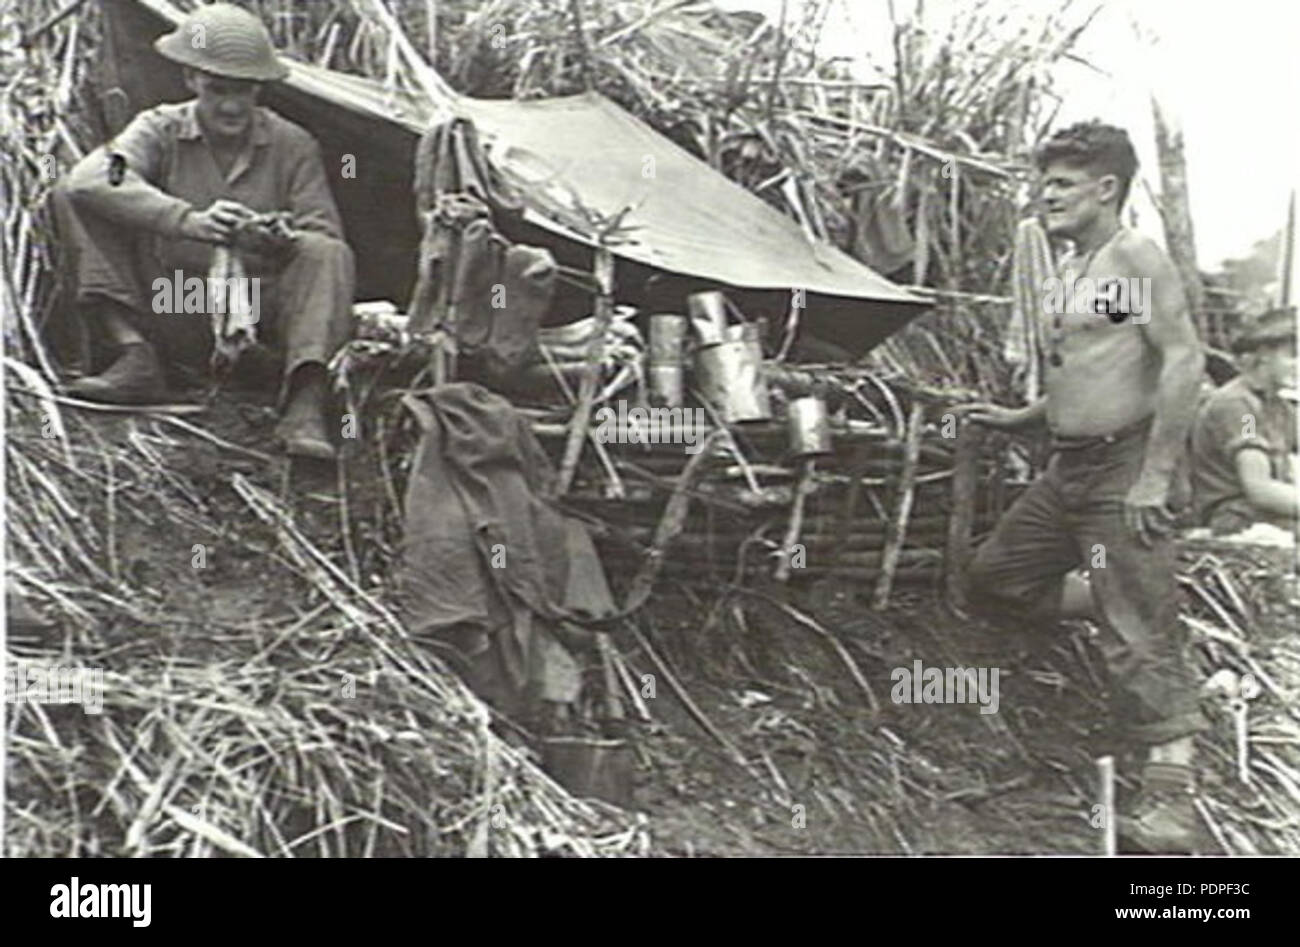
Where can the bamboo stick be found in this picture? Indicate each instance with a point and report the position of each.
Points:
(331, 40)
(670, 524)
(894, 543)
(801, 492)
(604, 271)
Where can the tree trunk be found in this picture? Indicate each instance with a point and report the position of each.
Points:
(1176, 213)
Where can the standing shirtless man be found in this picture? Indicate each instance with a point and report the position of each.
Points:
(1121, 388)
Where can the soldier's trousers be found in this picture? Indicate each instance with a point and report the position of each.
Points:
(305, 306)
(1073, 516)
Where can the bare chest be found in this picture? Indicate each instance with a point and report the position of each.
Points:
(1094, 308)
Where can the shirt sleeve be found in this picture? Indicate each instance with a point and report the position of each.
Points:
(310, 199)
(1236, 423)
(135, 201)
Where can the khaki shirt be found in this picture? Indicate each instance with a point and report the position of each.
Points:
(1231, 419)
(170, 170)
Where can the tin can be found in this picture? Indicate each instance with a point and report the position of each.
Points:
(667, 338)
(665, 384)
(708, 313)
(744, 332)
(730, 376)
(809, 427)
(664, 369)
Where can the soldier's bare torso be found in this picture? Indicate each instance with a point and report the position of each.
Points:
(1103, 374)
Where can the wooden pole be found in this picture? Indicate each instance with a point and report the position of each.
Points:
(670, 524)
(898, 526)
(801, 491)
(431, 16)
(1287, 270)
(962, 518)
(604, 272)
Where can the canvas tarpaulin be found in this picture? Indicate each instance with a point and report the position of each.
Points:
(686, 218)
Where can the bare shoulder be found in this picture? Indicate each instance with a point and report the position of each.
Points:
(1143, 255)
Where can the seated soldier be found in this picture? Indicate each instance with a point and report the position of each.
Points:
(1245, 433)
(191, 177)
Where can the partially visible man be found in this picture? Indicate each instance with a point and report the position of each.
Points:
(1121, 383)
(195, 175)
(1244, 436)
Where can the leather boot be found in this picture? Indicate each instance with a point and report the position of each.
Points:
(1164, 820)
(135, 377)
(302, 429)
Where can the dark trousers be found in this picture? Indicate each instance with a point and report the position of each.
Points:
(306, 306)
(1072, 516)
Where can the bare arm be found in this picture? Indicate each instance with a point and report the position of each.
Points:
(1035, 415)
(1007, 419)
(1264, 492)
(1168, 329)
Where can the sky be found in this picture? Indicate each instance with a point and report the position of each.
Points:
(1227, 72)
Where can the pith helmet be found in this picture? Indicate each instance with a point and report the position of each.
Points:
(226, 41)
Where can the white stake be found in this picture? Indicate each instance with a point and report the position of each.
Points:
(1239, 711)
(1106, 775)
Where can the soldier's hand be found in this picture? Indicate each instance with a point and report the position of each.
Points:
(269, 235)
(216, 224)
(991, 415)
(1146, 511)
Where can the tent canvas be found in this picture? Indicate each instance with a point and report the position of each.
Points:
(686, 218)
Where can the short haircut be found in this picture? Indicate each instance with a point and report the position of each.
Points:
(1095, 147)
